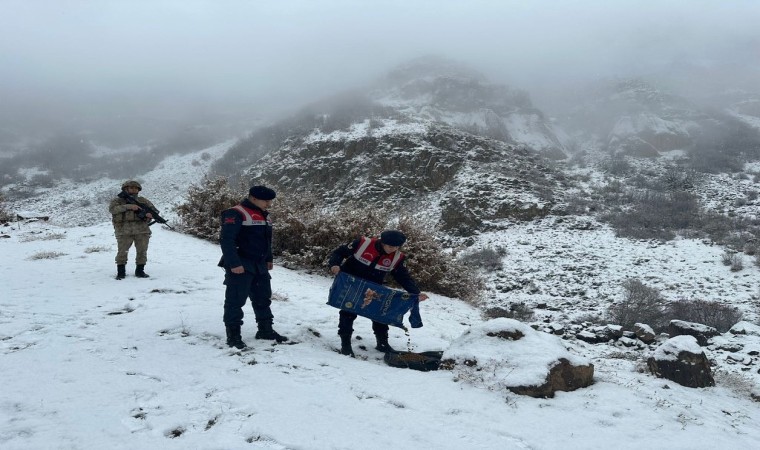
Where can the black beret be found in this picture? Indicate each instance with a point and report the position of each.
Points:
(394, 238)
(262, 193)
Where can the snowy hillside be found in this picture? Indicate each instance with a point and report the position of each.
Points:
(83, 203)
(637, 117)
(579, 265)
(91, 362)
(442, 91)
(426, 167)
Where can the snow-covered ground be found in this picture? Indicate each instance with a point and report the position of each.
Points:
(579, 264)
(88, 361)
(91, 362)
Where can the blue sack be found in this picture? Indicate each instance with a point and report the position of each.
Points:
(371, 300)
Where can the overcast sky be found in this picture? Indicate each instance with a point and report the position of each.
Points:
(162, 54)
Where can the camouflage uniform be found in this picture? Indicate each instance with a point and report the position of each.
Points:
(129, 228)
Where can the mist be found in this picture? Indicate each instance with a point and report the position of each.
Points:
(153, 67)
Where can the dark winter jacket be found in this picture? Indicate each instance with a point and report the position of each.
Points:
(246, 238)
(344, 256)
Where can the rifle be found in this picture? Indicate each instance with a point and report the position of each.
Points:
(144, 210)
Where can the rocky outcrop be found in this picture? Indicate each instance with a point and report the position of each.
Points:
(466, 180)
(442, 91)
(506, 354)
(634, 117)
(599, 334)
(644, 332)
(702, 333)
(680, 359)
(563, 376)
(646, 135)
(745, 328)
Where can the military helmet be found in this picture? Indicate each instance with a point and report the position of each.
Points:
(131, 183)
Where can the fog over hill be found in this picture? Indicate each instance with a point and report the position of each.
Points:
(130, 73)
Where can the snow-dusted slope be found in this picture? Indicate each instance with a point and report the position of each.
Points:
(456, 178)
(91, 362)
(579, 266)
(638, 118)
(442, 91)
(84, 203)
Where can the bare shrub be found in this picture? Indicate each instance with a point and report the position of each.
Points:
(200, 213)
(518, 311)
(46, 255)
(640, 303)
(714, 314)
(579, 203)
(5, 215)
(655, 215)
(678, 178)
(727, 258)
(732, 259)
(612, 187)
(306, 233)
(96, 249)
(737, 241)
(44, 237)
(488, 259)
(720, 228)
(433, 266)
(617, 165)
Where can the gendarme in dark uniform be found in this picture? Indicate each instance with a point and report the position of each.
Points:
(246, 241)
(372, 259)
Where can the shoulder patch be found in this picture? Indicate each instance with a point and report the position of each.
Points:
(228, 220)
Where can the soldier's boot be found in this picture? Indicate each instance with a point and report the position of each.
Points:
(345, 345)
(140, 271)
(234, 339)
(266, 332)
(121, 272)
(383, 345)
